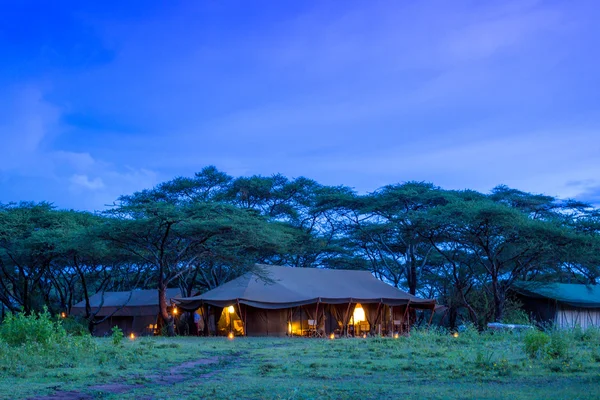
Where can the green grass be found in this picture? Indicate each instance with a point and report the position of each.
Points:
(426, 365)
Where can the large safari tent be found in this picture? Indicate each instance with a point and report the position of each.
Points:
(134, 311)
(280, 301)
(565, 305)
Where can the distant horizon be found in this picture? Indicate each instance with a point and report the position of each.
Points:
(101, 100)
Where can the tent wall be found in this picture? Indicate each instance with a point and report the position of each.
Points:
(540, 310)
(136, 325)
(570, 317)
(260, 322)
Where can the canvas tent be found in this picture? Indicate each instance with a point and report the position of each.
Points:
(565, 305)
(134, 311)
(278, 301)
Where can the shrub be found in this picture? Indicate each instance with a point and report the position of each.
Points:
(514, 314)
(117, 335)
(596, 355)
(535, 343)
(558, 346)
(19, 329)
(74, 326)
(589, 335)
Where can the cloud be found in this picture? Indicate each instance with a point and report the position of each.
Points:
(30, 159)
(87, 183)
(25, 123)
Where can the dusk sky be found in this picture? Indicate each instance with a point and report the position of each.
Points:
(109, 98)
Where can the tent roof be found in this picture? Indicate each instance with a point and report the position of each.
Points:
(576, 295)
(270, 286)
(134, 302)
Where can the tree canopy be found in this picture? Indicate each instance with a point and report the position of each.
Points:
(463, 247)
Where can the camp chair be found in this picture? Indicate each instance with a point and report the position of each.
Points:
(363, 327)
(312, 328)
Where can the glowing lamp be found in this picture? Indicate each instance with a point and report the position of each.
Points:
(359, 314)
(332, 336)
(396, 336)
(230, 336)
(132, 336)
(364, 335)
(63, 314)
(175, 311)
(455, 334)
(231, 309)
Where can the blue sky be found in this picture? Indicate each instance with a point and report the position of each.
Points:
(105, 99)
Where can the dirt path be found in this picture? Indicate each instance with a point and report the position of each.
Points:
(173, 375)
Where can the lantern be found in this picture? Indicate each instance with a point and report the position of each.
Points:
(132, 336)
(455, 334)
(230, 336)
(332, 336)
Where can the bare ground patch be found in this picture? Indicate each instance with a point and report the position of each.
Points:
(176, 374)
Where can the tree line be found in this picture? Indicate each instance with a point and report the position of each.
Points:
(464, 248)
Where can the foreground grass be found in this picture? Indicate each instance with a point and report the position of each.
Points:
(425, 366)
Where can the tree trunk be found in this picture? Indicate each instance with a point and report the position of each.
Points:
(168, 320)
(411, 273)
(498, 300)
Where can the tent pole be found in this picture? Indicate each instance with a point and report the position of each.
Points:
(241, 315)
(404, 319)
(316, 317)
(347, 317)
(377, 318)
(431, 318)
(392, 320)
(301, 321)
(324, 331)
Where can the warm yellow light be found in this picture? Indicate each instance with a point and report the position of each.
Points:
(175, 311)
(289, 327)
(231, 309)
(332, 336)
(396, 336)
(63, 315)
(132, 336)
(455, 334)
(364, 335)
(230, 336)
(359, 314)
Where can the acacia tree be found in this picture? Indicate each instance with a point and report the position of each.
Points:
(384, 229)
(172, 236)
(502, 242)
(29, 233)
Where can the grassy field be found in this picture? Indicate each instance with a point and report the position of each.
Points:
(426, 365)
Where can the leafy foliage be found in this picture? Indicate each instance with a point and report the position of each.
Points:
(463, 247)
(38, 328)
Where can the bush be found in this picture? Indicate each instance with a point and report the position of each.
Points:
(558, 346)
(75, 326)
(514, 314)
(589, 335)
(19, 329)
(117, 335)
(535, 343)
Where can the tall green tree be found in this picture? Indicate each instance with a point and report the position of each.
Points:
(173, 237)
